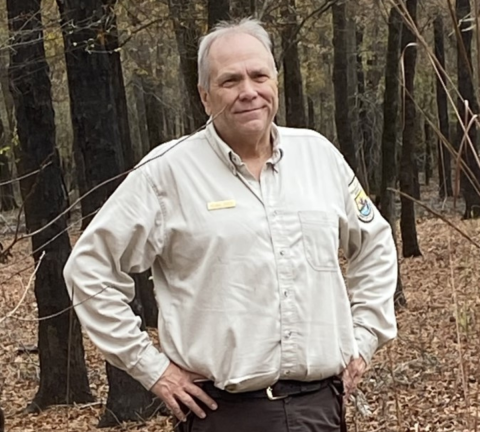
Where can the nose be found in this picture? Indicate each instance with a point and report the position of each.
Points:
(248, 90)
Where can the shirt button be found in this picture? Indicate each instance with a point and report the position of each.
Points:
(285, 293)
(288, 334)
(287, 372)
(283, 252)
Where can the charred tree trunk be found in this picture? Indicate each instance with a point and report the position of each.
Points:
(389, 136)
(292, 74)
(98, 109)
(469, 186)
(187, 35)
(340, 83)
(218, 10)
(97, 139)
(410, 247)
(444, 156)
(63, 375)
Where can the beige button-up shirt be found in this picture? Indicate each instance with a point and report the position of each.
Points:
(246, 272)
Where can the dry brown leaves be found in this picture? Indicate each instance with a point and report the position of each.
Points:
(426, 380)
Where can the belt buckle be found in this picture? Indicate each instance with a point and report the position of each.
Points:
(271, 396)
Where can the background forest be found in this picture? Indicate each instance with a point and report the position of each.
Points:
(88, 87)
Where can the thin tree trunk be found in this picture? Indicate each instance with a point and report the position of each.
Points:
(389, 136)
(187, 35)
(311, 113)
(292, 75)
(444, 156)
(365, 122)
(428, 153)
(410, 247)
(467, 92)
(343, 110)
(63, 375)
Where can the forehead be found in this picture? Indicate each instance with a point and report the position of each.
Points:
(237, 49)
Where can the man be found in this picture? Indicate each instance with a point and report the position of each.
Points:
(241, 225)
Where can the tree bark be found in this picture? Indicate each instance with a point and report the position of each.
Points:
(187, 35)
(467, 93)
(444, 156)
(410, 247)
(292, 75)
(389, 135)
(311, 113)
(153, 112)
(94, 100)
(343, 110)
(218, 10)
(63, 375)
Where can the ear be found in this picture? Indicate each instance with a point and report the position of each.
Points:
(205, 97)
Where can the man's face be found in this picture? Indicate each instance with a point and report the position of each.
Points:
(243, 87)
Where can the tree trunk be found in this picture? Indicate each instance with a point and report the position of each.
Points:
(428, 153)
(467, 92)
(218, 10)
(343, 110)
(153, 112)
(444, 156)
(410, 247)
(147, 298)
(97, 139)
(63, 375)
(389, 136)
(292, 75)
(366, 125)
(311, 113)
(187, 35)
(118, 84)
(98, 109)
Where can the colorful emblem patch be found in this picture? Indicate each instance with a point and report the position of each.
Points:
(363, 204)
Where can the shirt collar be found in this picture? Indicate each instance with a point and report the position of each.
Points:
(232, 159)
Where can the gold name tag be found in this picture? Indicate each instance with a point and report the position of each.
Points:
(218, 205)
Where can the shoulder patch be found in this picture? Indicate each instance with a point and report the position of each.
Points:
(363, 203)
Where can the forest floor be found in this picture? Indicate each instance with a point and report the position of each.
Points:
(428, 379)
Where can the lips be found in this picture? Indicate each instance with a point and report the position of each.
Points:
(248, 110)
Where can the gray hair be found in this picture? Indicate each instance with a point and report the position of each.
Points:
(248, 26)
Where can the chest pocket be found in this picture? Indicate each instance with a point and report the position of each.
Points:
(320, 239)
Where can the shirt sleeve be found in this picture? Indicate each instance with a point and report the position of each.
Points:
(125, 236)
(367, 241)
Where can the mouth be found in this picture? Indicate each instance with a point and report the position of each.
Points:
(248, 110)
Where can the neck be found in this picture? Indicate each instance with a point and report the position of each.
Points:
(250, 147)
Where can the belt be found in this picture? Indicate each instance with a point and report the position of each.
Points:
(280, 390)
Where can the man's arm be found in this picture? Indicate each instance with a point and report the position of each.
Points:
(125, 236)
(367, 241)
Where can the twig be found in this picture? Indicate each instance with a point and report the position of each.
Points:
(25, 291)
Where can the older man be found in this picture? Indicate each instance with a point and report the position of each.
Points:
(241, 224)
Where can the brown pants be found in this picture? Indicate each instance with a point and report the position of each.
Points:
(318, 411)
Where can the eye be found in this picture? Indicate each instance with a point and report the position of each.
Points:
(261, 77)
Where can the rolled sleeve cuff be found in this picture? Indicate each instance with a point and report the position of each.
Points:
(367, 343)
(150, 367)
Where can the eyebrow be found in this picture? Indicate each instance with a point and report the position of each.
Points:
(229, 76)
